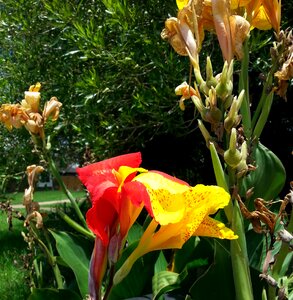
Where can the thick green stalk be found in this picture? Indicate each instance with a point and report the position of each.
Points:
(240, 264)
(244, 85)
(239, 257)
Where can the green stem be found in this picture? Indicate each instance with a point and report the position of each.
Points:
(244, 85)
(261, 122)
(51, 259)
(74, 204)
(38, 273)
(75, 225)
(240, 264)
(263, 108)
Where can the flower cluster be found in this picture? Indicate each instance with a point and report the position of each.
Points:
(27, 113)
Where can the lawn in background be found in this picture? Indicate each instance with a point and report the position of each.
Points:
(13, 275)
(43, 196)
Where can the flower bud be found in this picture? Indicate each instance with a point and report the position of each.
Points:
(225, 85)
(233, 119)
(232, 156)
(199, 106)
(213, 114)
(204, 132)
(210, 79)
(242, 167)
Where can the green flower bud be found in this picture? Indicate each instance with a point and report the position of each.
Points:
(242, 168)
(210, 79)
(232, 156)
(233, 119)
(199, 106)
(204, 132)
(224, 87)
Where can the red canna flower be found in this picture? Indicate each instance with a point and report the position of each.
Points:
(116, 204)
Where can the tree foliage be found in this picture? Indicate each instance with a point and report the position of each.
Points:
(104, 60)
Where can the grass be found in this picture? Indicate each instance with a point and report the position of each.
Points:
(13, 275)
(43, 196)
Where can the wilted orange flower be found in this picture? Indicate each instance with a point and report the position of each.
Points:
(180, 34)
(185, 91)
(285, 59)
(28, 113)
(52, 108)
(13, 115)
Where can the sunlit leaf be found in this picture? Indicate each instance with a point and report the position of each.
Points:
(164, 281)
(75, 252)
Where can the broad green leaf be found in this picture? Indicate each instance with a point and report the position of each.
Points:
(75, 251)
(49, 294)
(269, 177)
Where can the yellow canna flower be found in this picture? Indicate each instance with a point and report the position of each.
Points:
(179, 212)
(264, 14)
